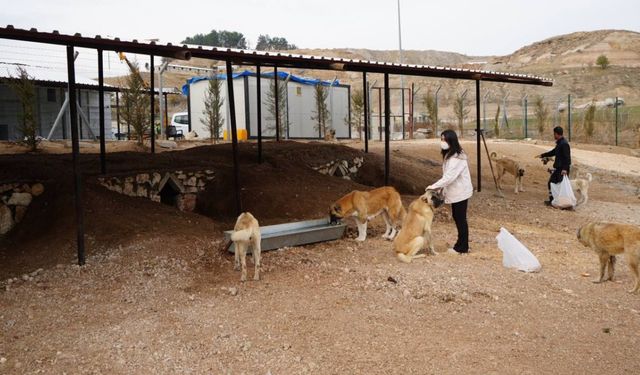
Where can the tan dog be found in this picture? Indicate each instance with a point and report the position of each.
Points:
(245, 233)
(365, 205)
(505, 165)
(609, 240)
(581, 185)
(573, 172)
(415, 234)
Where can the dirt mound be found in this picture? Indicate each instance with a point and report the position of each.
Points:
(283, 188)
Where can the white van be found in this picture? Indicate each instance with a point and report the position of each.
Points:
(181, 121)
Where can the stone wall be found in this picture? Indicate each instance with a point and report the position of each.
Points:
(15, 199)
(187, 184)
(341, 168)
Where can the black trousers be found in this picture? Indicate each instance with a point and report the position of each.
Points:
(459, 213)
(555, 178)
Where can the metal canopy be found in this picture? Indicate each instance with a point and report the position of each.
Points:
(77, 40)
(270, 59)
(241, 57)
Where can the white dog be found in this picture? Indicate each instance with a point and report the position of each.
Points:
(581, 185)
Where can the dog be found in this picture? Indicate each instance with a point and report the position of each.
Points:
(365, 205)
(505, 165)
(416, 227)
(609, 240)
(245, 233)
(581, 185)
(573, 172)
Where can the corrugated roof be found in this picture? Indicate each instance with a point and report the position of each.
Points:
(43, 74)
(281, 59)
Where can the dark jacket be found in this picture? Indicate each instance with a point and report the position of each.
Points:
(562, 154)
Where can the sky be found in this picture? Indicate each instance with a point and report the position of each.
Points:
(475, 28)
(488, 27)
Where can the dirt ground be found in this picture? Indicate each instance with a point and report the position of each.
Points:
(158, 293)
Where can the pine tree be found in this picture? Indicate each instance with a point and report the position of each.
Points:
(321, 112)
(135, 101)
(282, 106)
(213, 103)
(357, 111)
(25, 90)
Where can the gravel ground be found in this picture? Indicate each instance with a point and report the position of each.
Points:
(165, 305)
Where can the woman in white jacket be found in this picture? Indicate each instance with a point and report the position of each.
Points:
(456, 186)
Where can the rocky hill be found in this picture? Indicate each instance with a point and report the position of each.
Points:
(567, 59)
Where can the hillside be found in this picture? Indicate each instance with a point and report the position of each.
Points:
(580, 49)
(567, 59)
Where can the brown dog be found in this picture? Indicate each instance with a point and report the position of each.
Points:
(365, 205)
(505, 165)
(609, 240)
(245, 233)
(416, 227)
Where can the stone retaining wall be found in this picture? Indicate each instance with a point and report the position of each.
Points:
(187, 184)
(341, 168)
(15, 198)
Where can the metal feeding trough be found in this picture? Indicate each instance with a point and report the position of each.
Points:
(295, 234)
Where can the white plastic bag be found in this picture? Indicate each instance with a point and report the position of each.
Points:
(563, 196)
(515, 254)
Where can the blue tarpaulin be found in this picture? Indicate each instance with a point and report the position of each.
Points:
(247, 73)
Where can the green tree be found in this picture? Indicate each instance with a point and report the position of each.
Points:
(215, 38)
(135, 102)
(267, 43)
(282, 106)
(541, 111)
(213, 103)
(25, 90)
(357, 111)
(429, 102)
(589, 117)
(602, 61)
(321, 112)
(461, 112)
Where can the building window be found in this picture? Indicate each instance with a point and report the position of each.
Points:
(299, 91)
(51, 95)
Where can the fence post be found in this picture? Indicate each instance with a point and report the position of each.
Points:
(569, 115)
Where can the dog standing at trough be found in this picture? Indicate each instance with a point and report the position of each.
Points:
(609, 240)
(247, 233)
(365, 205)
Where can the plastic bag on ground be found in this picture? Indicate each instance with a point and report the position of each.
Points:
(563, 196)
(515, 254)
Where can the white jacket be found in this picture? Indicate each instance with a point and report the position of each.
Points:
(456, 179)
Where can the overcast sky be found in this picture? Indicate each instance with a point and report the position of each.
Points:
(487, 27)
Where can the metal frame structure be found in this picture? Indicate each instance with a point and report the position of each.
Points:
(251, 58)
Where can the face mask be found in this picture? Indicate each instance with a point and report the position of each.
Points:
(444, 145)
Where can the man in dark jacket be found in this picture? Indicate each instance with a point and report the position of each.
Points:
(562, 162)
